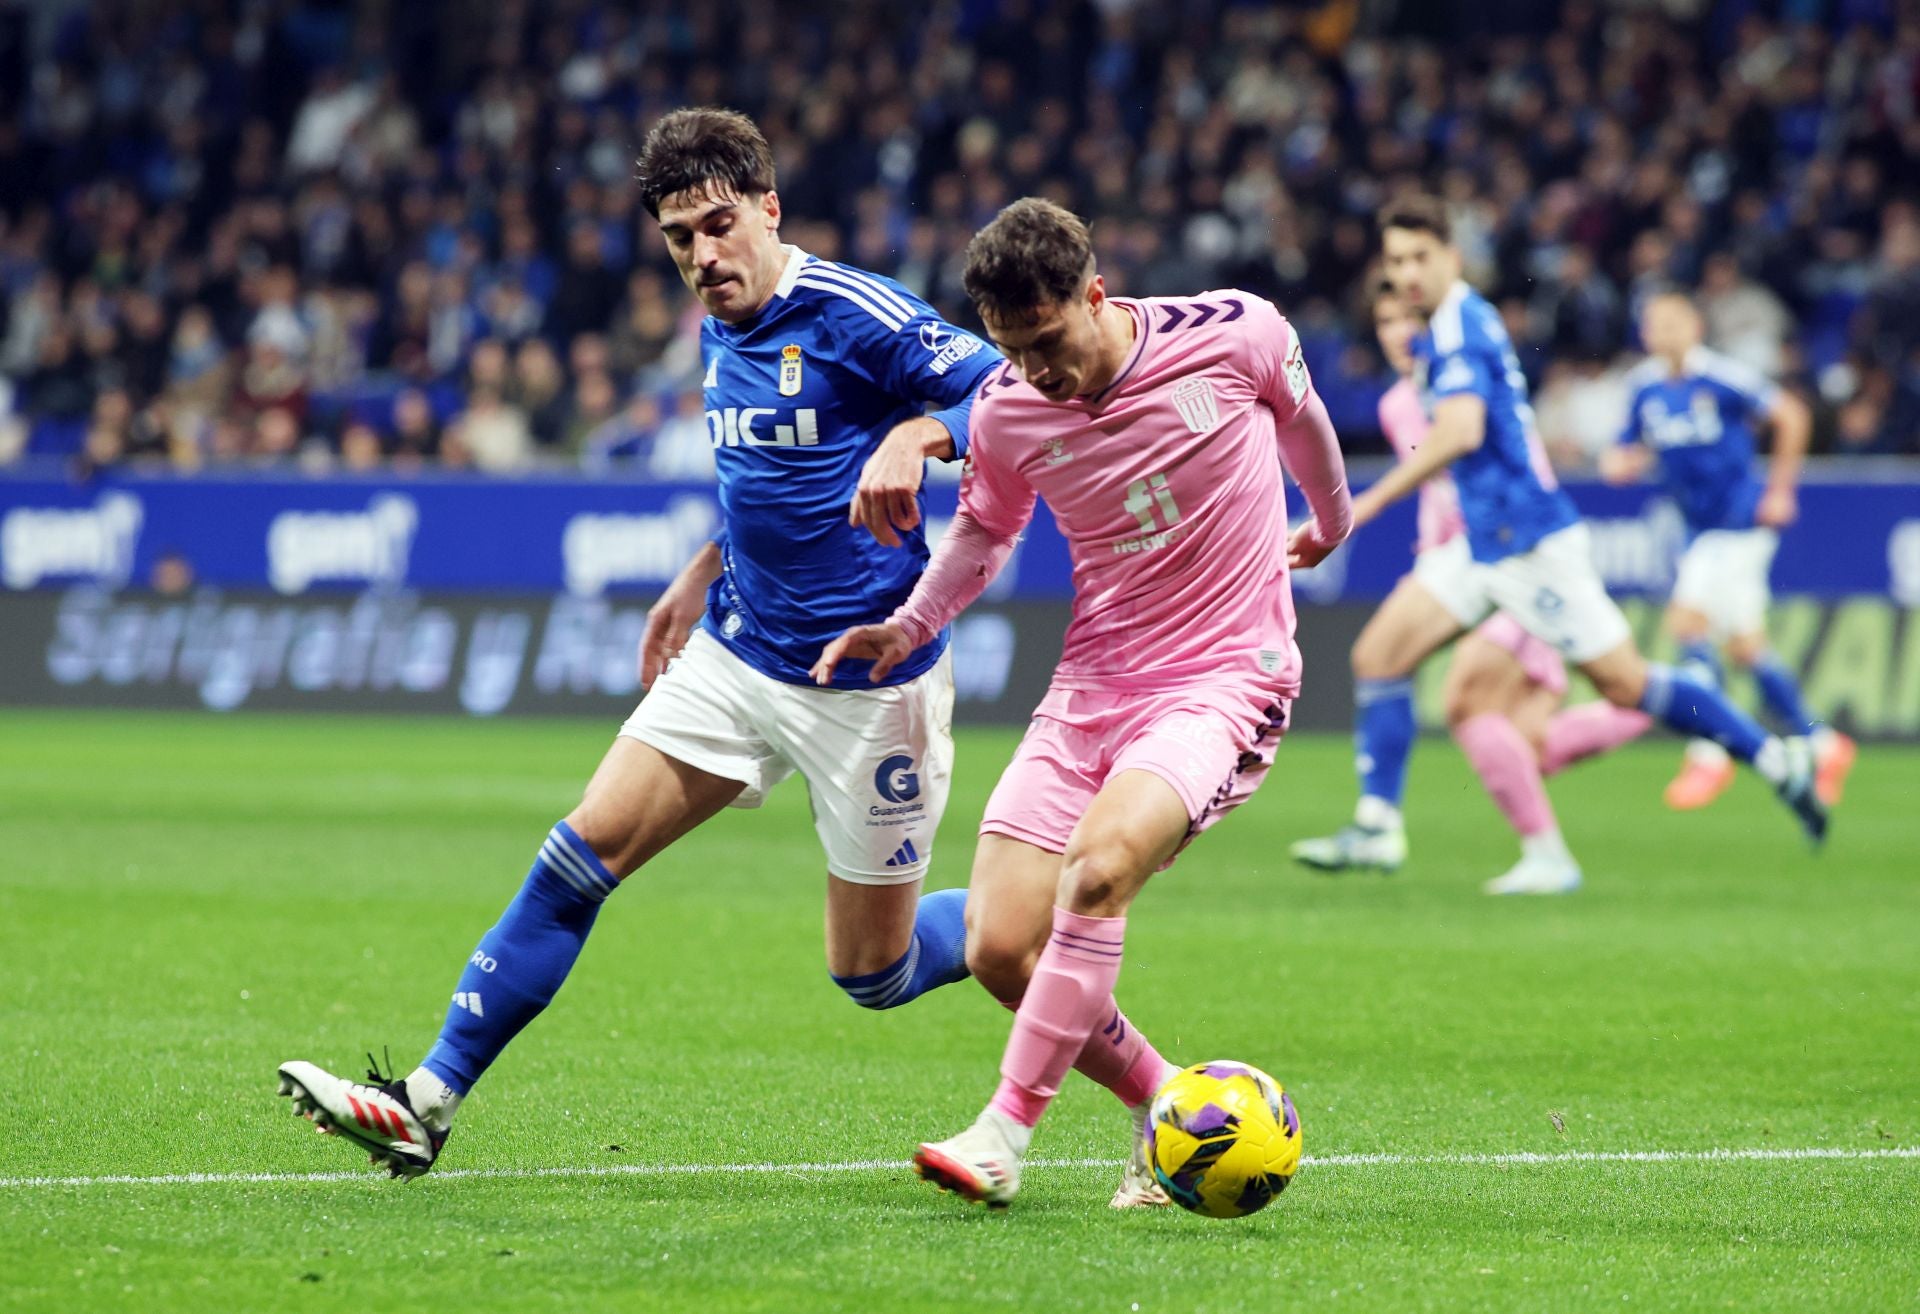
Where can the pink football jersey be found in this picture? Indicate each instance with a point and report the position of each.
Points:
(1404, 422)
(1167, 485)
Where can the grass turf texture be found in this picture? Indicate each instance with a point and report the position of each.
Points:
(186, 901)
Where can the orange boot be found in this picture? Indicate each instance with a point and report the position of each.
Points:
(1704, 776)
(1833, 757)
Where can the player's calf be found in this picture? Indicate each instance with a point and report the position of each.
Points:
(936, 956)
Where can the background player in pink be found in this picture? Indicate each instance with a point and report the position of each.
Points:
(1505, 686)
(1151, 428)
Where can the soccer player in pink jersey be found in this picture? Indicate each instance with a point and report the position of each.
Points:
(1505, 687)
(1156, 430)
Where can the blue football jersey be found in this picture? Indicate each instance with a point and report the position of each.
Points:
(797, 399)
(1508, 495)
(1701, 422)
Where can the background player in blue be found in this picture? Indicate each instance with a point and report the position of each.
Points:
(1696, 412)
(1530, 551)
(817, 377)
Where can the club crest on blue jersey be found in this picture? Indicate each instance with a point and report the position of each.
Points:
(790, 370)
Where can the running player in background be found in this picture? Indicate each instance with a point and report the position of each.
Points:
(817, 377)
(1505, 688)
(1151, 428)
(1695, 412)
(1530, 551)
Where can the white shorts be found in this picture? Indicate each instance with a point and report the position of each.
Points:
(1446, 571)
(1724, 575)
(877, 762)
(1552, 589)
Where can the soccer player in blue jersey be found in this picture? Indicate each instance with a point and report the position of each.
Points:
(1531, 559)
(818, 378)
(1695, 413)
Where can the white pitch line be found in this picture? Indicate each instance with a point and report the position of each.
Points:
(1518, 1159)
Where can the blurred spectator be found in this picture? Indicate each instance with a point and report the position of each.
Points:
(539, 389)
(216, 212)
(416, 433)
(495, 432)
(1744, 319)
(1581, 407)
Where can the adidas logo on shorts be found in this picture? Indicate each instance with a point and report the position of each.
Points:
(904, 856)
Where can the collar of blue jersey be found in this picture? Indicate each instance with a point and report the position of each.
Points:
(1696, 362)
(796, 260)
(1455, 295)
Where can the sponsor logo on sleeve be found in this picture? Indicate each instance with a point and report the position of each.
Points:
(947, 347)
(1297, 379)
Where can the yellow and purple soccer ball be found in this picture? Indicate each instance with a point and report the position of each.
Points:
(1223, 1139)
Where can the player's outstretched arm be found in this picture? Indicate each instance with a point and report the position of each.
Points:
(1459, 427)
(1310, 451)
(670, 621)
(885, 645)
(887, 499)
(1792, 432)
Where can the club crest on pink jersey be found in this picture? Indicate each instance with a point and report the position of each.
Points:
(1196, 403)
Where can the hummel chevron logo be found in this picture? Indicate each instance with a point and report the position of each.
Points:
(1193, 314)
(904, 856)
(1000, 378)
(469, 1000)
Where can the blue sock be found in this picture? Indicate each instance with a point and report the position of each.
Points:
(1383, 737)
(1781, 693)
(1700, 660)
(937, 956)
(1683, 703)
(522, 961)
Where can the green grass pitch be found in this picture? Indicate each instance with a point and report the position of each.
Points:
(187, 901)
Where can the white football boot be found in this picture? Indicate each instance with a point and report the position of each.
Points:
(981, 1164)
(1537, 873)
(1354, 847)
(379, 1119)
(1139, 1188)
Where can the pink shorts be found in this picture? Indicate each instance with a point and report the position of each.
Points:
(1213, 744)
(1538, 658)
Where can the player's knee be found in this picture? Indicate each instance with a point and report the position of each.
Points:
(1747, 651)
(1002, 963)
(1464, 699)
(1622, 686)
(1370, 659)
(616, 850)
(1098, 881)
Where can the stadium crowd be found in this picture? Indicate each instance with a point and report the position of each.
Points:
(352, 236)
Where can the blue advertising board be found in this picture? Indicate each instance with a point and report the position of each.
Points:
(593, 537)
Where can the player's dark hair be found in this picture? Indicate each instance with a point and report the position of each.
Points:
(1419, 214)
(1033, 254)
(707, 151)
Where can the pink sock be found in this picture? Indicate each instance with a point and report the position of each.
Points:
(1579, 733)
(1507, 767)
(1119, 1057)
(1068, 1000)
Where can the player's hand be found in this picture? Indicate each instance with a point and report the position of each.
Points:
(1778, 508)
(670, 623)
(886, 646)
(887, 499)
(1306, 549)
